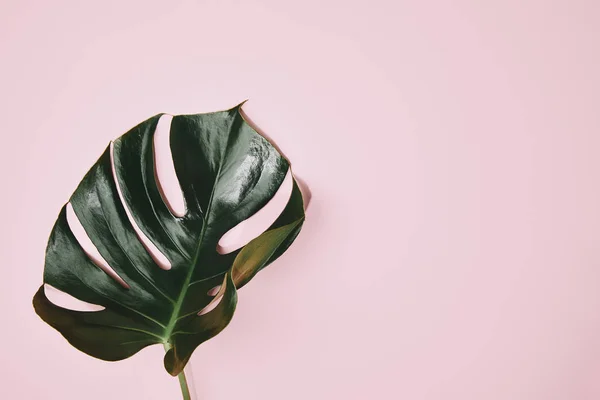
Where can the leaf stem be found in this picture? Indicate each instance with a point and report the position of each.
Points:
(185, 391)
(183, 383)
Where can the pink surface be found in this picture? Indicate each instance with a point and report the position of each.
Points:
(451, 245)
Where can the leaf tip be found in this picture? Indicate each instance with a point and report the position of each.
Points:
(241, 104)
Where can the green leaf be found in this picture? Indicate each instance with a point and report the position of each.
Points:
(227, 172)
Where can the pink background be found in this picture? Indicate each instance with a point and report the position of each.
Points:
(451, 147)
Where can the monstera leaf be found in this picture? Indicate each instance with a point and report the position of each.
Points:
(227, 172)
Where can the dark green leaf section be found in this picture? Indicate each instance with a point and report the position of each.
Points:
(201, 328)
(227, 172)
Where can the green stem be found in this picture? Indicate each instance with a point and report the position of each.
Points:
(185, 390)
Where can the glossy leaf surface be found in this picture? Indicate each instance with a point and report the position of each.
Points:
(227, 172)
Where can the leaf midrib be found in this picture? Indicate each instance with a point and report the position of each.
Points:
(186, 284)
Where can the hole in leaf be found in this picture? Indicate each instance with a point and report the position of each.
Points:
(158, 257)
(241, 234)
(164, 169)
(88, 247)
(65, 300)
(214, 291)
(214, 302)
